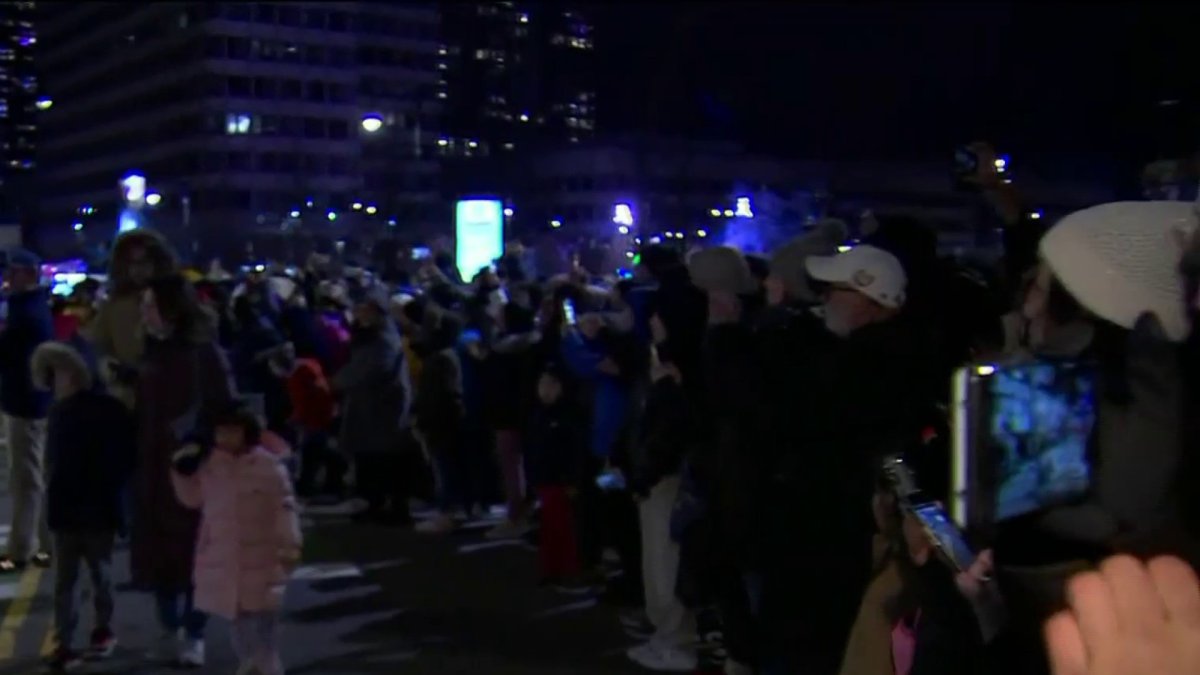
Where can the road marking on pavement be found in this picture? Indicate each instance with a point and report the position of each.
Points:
(18, 610)
(563, 609)
(486, 545)
(326, 571)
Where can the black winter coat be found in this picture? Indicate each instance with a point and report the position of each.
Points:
(557, 446)
(667, 432)
(90, 446)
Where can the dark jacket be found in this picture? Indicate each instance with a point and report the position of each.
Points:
(872, 391)
(29, 325)
(90, 442)
(438, 407)
(89, 449)
(557, 448)
(667, 432)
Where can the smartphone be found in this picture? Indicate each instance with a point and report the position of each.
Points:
(947, 538)
(611, 480)
(568, 309)
(1021, 435)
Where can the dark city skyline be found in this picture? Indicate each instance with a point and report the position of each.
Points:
(908, 80)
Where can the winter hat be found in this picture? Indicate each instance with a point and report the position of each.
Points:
(1121, 260)
(721, 269)
(871, 271)
(24, 258)
(787, 261)
(52, 356)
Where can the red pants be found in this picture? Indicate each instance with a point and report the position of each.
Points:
(558, 553)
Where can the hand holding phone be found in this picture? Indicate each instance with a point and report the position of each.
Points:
(611, 480)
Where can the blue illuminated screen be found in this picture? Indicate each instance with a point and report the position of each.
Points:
(1042, 415)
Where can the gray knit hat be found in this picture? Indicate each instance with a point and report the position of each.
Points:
(721, 269)
(787, 261)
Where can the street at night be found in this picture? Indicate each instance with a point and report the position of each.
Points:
(369, 600)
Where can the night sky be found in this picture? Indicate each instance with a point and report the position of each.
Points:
(1068, 84)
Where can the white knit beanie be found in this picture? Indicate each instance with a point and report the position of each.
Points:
(1121, 260)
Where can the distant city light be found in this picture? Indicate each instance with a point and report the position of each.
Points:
(508, 213)
(743, 208)
(728, 213)
(715, 212)
(624, 229)
(556, 224)
(153, 199)
(372, 123)
(44, 104)
(630, 254)
(1036, 215)
(332, 216)
(127, 221)
(702, 233)
(1000, 163)
(357, 206)
(844, 248)
(391, 222)
(294, 214)
(655, 240)
(371, 210)
(524, 117)
(443, 142)
(472, 144)
(77, 227)
(135, 187)
(623, 214)
(524, 18)
(309, 203)
(86, 210)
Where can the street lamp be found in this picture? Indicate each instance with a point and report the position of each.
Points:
(372, 122)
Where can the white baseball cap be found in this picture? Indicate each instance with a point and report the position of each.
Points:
(1121, 260)
(871, 271)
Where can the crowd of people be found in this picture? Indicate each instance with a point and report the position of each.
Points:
(718, 420)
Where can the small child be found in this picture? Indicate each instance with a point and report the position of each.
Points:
(313, 410)
(249, 529)
(556, 450)
(89, 448)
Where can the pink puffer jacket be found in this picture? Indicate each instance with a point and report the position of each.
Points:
(249, 534)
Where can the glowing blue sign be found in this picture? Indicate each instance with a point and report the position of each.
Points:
(479, 234)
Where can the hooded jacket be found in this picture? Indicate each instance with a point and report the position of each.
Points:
(29, 325)
(90, 445)
(116, 329)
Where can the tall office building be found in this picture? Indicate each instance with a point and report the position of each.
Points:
(516, 77)
(19, 106)
(316, 117)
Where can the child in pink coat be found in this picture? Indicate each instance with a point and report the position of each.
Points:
(249, 539)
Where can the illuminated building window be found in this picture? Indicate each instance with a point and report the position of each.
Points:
(237, 123)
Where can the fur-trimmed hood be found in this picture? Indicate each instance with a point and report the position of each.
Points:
(52, 356)
(160, 253)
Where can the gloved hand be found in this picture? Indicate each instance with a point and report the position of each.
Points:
(186, 460)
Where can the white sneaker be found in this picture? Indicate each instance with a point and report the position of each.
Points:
(439, 524)
(641, 652)
(191, 654)
(665, 659)
(509, 529)
(166, 648)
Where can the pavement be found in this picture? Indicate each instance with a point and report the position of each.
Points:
(367, 600)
